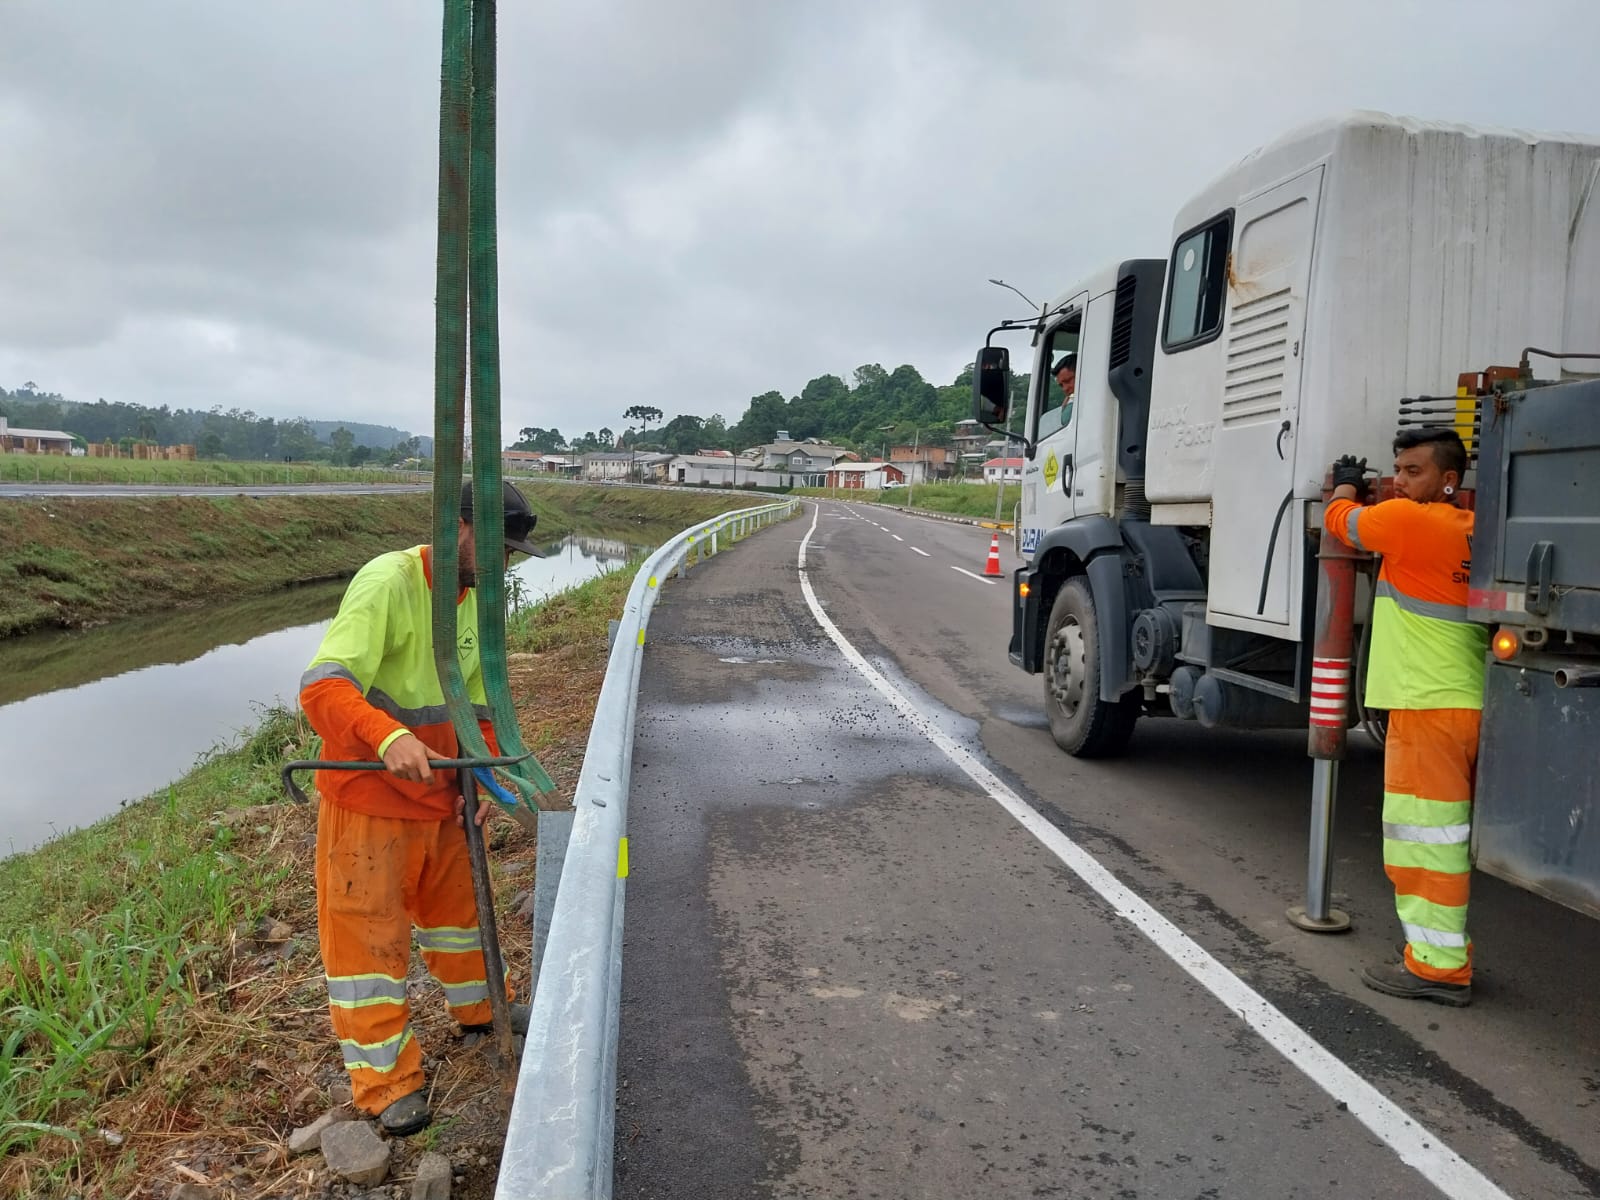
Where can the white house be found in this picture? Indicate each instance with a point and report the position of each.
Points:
(707, 470)
(1008, 470)
(608, 466)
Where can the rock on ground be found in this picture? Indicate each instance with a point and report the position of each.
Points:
(193, 1191)
(355, 1153)
(433, 1178)
(309, 1137)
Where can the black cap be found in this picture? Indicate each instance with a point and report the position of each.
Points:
(520, 519)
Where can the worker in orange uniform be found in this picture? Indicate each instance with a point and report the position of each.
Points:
(1426, 668)
(389, 854)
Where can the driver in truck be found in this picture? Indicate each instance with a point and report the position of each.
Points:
(1426, 667)
(1066, 374)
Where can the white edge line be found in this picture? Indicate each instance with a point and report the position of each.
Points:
(1416, 1146)
(972, 575)
(922, 552)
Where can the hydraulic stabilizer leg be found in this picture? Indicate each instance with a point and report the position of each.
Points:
(1330, 708)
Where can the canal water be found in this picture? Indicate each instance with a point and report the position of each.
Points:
(92, 720)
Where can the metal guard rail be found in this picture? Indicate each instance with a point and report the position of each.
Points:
(559, 1139)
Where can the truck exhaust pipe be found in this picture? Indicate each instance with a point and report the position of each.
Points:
(1576, 677)
(1331, 680)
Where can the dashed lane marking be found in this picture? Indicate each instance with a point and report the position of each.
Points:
(1416, 1145)
(922, 552)
(973, 575)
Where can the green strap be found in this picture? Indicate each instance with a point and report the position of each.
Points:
(462, 242)
(484, 316)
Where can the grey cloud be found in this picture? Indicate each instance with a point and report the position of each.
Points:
(231, 203)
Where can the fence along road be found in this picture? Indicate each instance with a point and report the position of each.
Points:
(559, 1139)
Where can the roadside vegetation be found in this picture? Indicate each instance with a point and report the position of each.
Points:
(69, 563)
(54, 468)
(165, 1020)
(955, 499)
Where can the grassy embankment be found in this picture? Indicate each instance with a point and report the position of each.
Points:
(165, 1016)
(75, 562)
(51, 468)
(955, 499)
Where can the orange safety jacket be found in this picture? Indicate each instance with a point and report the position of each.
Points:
(373, 679)
(1425, 653)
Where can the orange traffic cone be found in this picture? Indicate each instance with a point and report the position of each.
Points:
(992, 567)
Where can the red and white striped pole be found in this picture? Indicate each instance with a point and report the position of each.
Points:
(1331, 681)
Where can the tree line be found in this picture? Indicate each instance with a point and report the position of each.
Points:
(214, 433)
(877, 408)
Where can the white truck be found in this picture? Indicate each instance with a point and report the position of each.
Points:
(1321, 293)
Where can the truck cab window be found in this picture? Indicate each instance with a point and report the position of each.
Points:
(1060, 349)
(1199, 275)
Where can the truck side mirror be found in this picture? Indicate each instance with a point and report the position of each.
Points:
(991, 386)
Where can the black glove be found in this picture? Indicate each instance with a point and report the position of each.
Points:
(1352, 470)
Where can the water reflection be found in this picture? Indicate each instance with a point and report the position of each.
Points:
(94, 719)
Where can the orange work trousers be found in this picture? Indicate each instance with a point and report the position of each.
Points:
(377, 878)
(1430, 763)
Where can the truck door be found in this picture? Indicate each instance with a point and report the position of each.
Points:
(1257, 551)
(1047, 478)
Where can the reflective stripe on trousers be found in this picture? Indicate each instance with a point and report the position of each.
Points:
(376, 878)
(1430, 760)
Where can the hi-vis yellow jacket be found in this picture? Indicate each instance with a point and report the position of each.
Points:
(1425, 653)
(373, 679)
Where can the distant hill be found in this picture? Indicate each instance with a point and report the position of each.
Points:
(379, 437)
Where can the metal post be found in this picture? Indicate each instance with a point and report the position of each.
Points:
(1330, 707)
(493, 962)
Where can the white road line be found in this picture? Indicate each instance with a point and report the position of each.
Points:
(1415, 1144)
(973, 574)
(924, 553)
(897, 537)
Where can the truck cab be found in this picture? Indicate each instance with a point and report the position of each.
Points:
(1320, 294)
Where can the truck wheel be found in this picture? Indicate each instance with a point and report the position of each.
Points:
(1082, 724)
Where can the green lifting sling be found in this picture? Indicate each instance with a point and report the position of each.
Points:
(467, 300)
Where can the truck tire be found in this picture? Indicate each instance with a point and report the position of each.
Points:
(1082, 723)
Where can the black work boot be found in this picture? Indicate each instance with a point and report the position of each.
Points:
(406, 1116)
(1396, 979)
(471, 1035)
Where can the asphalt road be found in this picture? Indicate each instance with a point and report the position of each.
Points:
(855, 966)
(123, 491)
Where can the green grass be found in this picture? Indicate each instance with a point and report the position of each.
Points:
(52, 468)
(955, 499)
(108, 933)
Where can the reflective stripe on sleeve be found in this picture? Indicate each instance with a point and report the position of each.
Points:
(327, 670)
(1350, 528)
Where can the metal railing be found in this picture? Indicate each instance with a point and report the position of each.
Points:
(559, 1139)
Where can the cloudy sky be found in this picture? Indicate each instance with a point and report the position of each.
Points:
(220, 202)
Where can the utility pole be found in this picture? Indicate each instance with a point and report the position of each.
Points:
(911, 486)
